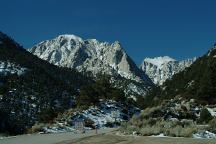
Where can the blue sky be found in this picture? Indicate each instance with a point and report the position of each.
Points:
(146, 28)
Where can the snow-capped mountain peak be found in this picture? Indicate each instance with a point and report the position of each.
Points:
(90, 55)
(70, 37)
(159, 61)
(160, 69)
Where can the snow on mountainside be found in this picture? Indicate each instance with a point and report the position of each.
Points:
(10, 68)
(159, 61)
(30, 86)
(107, 114)
(90, 56)
(212, 50)
(160, 69)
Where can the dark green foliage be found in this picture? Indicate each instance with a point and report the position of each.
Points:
(110, 124)
(150, 100)
(117, 95)
(44, 90)
(89, 123)
(101, 89)
(39, 94)
(140, 102)
(47, 115)
(88, 96)
(205, 116)
(196, 82)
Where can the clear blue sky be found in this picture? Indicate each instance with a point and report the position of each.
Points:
(146, 28)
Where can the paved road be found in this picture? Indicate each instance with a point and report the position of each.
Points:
(49, 138)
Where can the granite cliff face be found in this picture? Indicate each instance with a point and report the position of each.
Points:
(160, 69)
(90, 56)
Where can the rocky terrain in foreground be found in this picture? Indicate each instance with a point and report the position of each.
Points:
(177, 118)
(108, 114)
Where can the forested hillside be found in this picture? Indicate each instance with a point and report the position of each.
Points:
(35, 91)
(196, 82)
(37, 94)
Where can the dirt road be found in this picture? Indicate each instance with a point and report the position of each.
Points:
(115, 139)
(49, 138)
(107, 136)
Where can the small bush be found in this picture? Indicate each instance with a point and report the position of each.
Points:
(150, 130)
(212, 125)
(151, 112)
(179, 131)
(205, 116)
(89, 123)
(188, 131)
(136, 121)
(153, 126)
(38, 127)
(109, 124)
(127, 128)
(187, 123)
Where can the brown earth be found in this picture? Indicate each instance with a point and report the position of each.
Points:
(116, 139)
(106, 136)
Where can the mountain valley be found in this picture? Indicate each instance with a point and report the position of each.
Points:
(58, 82)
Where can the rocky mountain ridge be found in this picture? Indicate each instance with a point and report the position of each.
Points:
(89, 55)
(196, 82)
(92, 56)
(159, 69)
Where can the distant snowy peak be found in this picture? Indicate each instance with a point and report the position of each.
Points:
(89, 55)
(212, 50)
(70, 37)
(159, 61)
(160, 69)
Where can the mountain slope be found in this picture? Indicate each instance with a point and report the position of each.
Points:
(34, 91)
(183, 103)
(197, 82)
(159, 69)
(31, 89)
(90, 56)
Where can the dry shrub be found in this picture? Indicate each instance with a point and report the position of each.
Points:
(150, 130)
(180, 131)
(151, 122)
(128, 129)
(136, 121)
(148, 112)
(212, 125)
(38, 127)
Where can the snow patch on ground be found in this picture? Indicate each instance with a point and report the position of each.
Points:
(160, 135)
(106, 115)
(212, 111)
(107, 112)
(205, 134)
(57, 129)
(11, 68)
